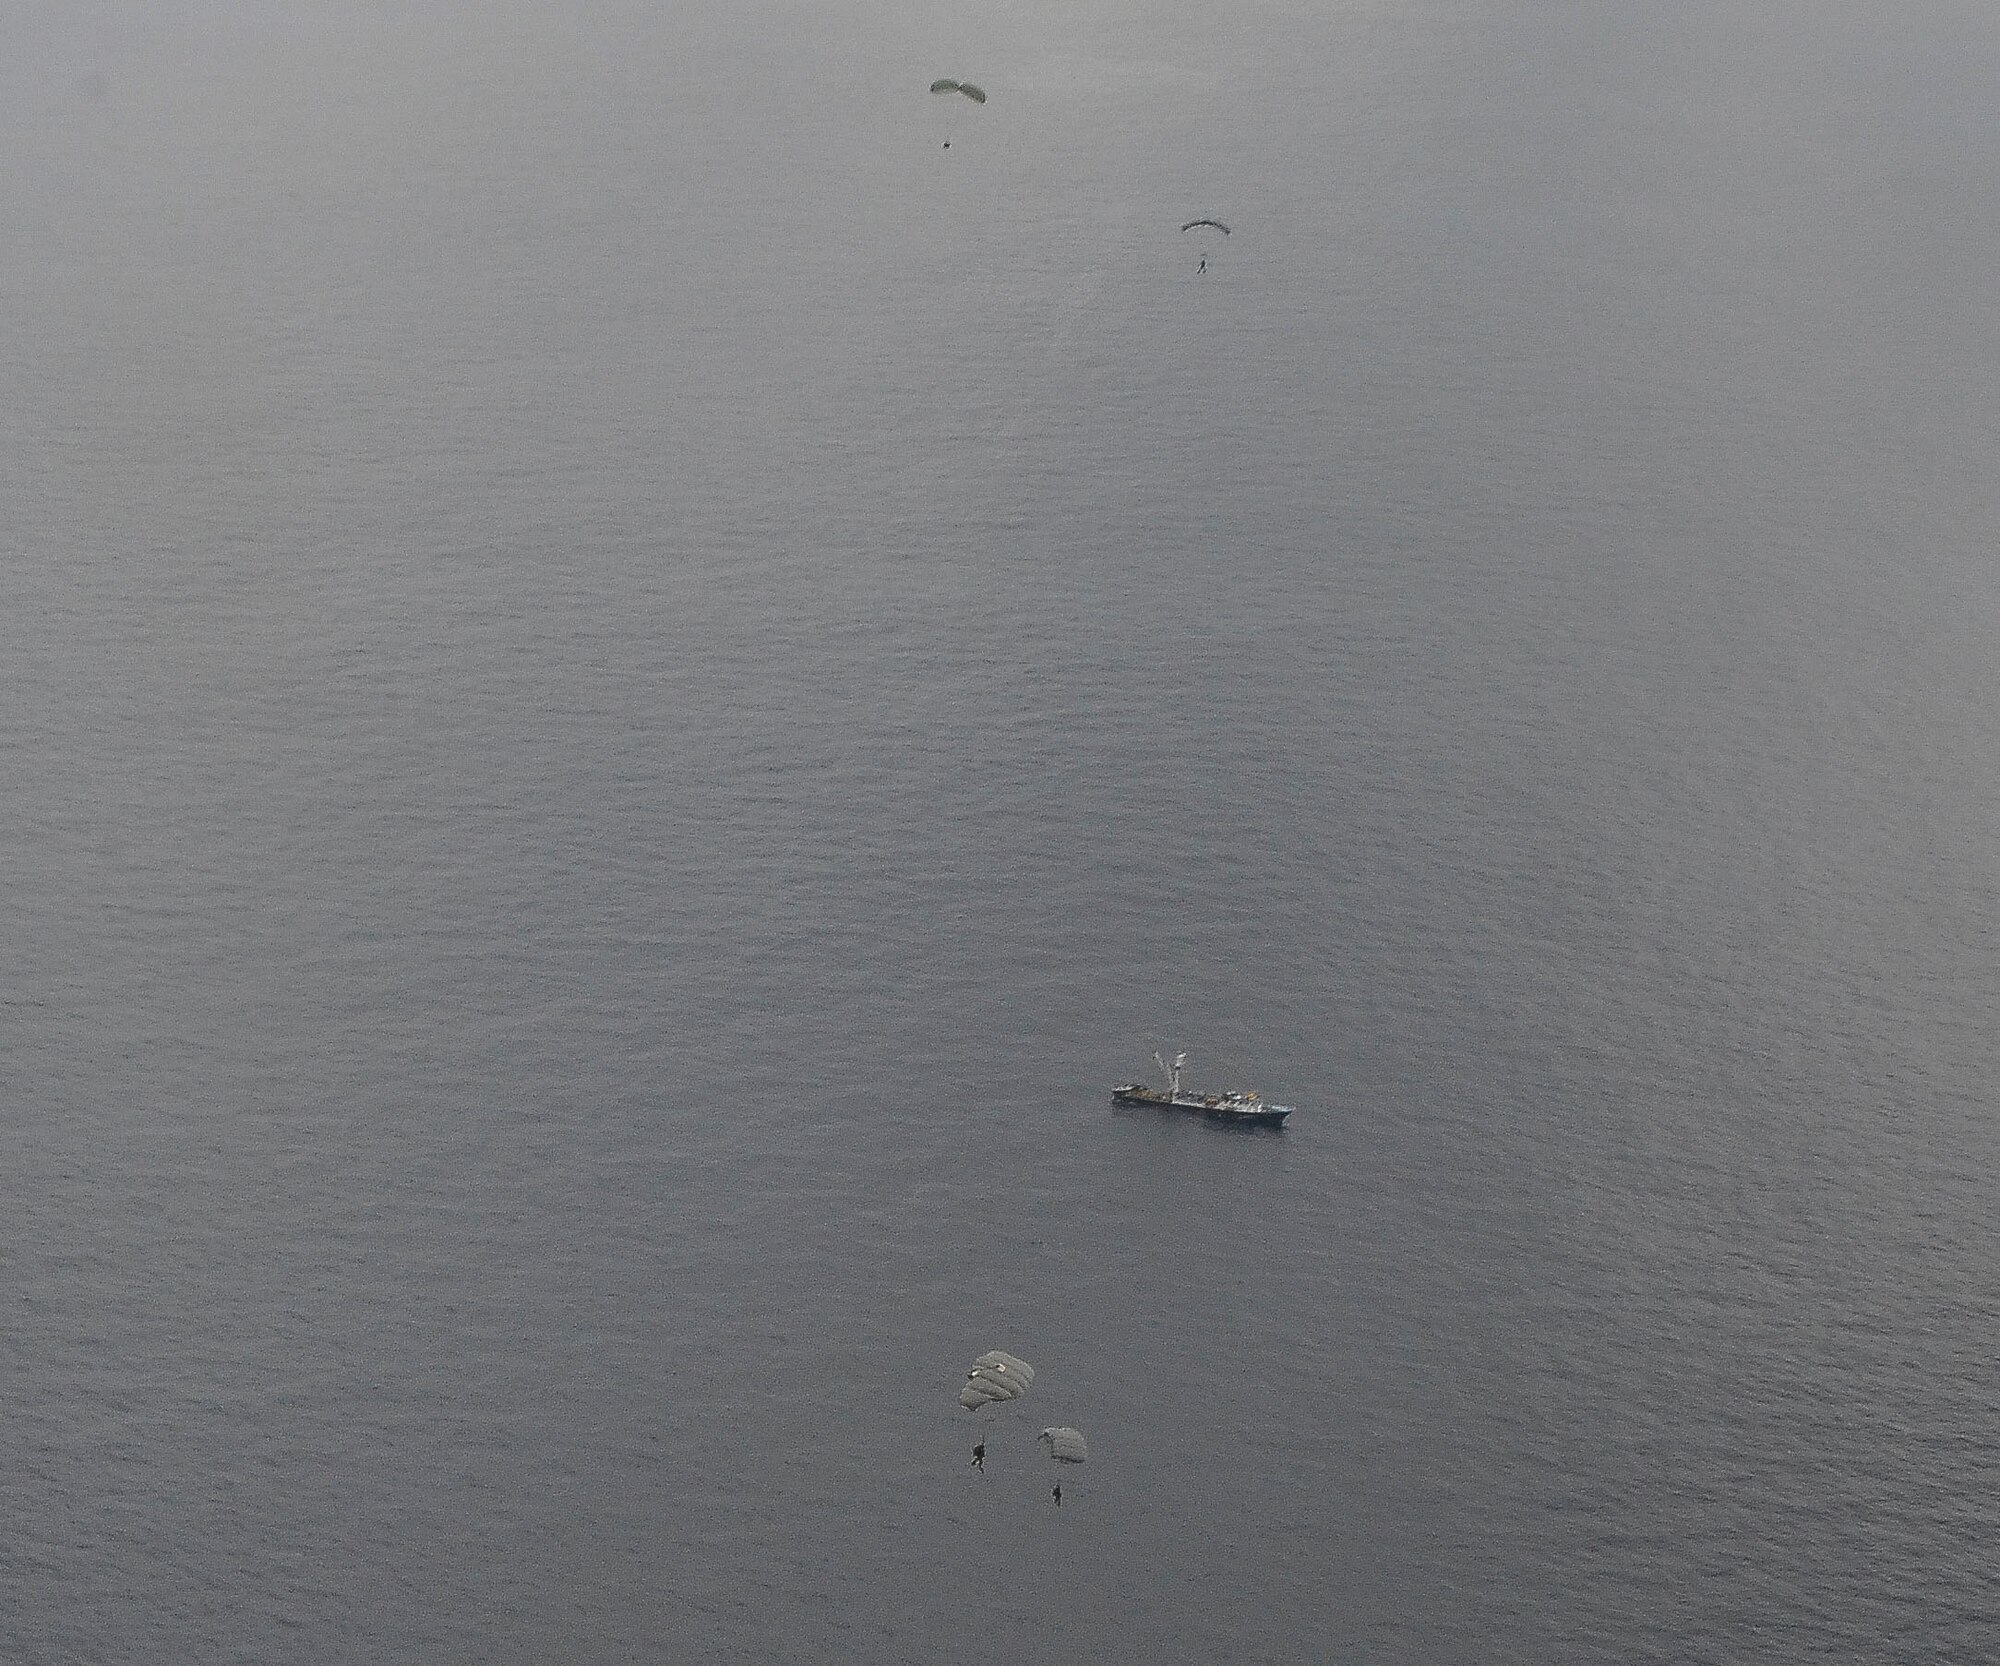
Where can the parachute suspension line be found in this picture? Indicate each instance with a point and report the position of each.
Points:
(1192, 225)
(945, 86)
(995, 1379)
(1066, 1446)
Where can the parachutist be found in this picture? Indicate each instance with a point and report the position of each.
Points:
(1203, 267)
(1066, 1446)
(994, 1380)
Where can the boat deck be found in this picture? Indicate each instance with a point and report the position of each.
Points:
(1224, 1107)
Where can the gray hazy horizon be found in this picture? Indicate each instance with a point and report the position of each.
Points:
(626, 686)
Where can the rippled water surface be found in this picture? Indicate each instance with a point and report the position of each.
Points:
(626, 685)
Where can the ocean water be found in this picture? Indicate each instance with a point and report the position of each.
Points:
(626, 686)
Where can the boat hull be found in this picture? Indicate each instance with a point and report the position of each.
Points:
(1219, 1107)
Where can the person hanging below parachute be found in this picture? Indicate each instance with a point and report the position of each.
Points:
(945, 85)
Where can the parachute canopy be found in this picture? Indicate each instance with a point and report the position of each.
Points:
(995, 1376)
(1219, 226)
(946, 85)
(1065, 1445)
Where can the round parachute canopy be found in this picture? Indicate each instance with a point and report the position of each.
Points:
(995, 1377)
(946, 85)
(1219, 226)
(1065, 1445)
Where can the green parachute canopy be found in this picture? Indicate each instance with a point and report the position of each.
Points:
(1065, 1445)
(995, 1377)
(947, 85)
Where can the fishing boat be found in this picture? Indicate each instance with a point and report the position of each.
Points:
(1231, 1106)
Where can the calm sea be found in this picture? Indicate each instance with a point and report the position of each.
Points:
(627, 683)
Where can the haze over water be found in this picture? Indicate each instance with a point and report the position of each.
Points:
(626, 687)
